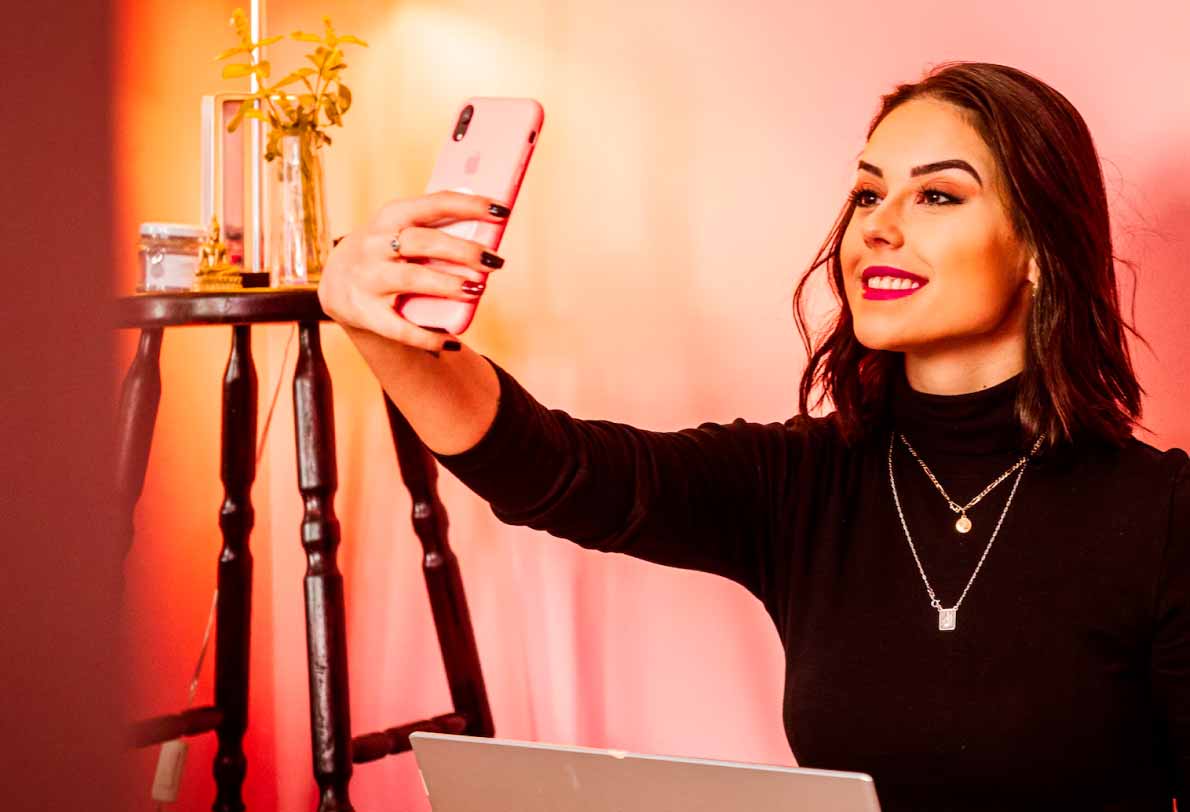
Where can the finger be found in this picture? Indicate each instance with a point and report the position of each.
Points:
(390, 278)
(381, 318)
(430, 243)
(438, 207)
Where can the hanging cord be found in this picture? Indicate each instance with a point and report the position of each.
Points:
(202, 652)
(192, 691)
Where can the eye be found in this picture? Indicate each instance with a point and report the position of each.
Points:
(868, 198)
(934, 197)
(863, 198)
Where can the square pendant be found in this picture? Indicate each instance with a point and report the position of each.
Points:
(947, 619)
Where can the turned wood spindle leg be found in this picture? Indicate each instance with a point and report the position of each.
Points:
(314, 425)
(234, 608)
(139, 398)
(440, 566)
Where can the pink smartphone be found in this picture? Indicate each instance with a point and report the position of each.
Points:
(486, 154)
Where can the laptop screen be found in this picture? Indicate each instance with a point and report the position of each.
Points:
(475, 774)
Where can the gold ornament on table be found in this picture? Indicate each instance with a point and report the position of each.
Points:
(298, 110)
(215, 272)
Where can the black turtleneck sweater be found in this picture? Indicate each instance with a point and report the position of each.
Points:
(1066, 682)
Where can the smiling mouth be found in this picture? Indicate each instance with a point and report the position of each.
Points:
(884, 282)
(891, 283)
(882, 288)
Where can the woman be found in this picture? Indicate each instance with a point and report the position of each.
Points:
(980, 578)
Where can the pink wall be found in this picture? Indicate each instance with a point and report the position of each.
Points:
(693, 158)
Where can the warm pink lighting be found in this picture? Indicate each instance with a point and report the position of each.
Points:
(695, 157)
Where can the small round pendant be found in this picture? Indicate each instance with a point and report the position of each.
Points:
(963, 525)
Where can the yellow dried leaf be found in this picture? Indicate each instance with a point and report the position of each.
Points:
(302, 36)
(332, 111)
(239, 21)
(344, 98)
(352, 40)
(230, 52)
(271, 151)
(262, 69)
(237, 71)
(268, 41)
(237, 118)
(296, 76)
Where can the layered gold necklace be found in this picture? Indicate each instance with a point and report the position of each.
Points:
(963, 525)
(948, 617)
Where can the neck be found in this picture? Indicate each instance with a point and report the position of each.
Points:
(958, 374)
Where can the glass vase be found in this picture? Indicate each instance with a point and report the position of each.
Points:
(298, 229)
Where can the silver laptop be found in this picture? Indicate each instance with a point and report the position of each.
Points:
(473, 774)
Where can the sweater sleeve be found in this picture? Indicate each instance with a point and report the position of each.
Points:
(701, 498)
(1171, 639)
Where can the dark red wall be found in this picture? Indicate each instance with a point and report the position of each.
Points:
(61, 689)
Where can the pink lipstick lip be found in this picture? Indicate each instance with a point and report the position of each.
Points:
(888, 270)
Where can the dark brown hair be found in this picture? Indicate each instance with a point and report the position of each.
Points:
(1078, 379)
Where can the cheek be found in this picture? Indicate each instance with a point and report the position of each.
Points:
(850, 250)
(850, 247)
(980, 265)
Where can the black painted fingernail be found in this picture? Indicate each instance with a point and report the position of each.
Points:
(499, 211)
(473, 288)
(453, 346)
(491, 260)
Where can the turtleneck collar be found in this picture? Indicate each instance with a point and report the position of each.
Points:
(975, 423)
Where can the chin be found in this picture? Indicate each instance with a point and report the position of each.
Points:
(882, 337)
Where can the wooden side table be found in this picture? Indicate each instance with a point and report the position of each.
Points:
(334, 748)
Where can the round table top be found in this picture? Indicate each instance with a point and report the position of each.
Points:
(253, 306)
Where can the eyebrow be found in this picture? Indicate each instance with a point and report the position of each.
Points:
(925, 169)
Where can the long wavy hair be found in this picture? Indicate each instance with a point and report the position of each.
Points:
(1078, 380)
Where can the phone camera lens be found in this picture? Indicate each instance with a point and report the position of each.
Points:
(464, 122)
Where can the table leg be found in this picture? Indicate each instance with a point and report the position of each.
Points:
(139, 399)
(234, 608)
(314, 426)
(440, 567)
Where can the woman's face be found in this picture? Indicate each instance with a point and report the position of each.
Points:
(929, 206)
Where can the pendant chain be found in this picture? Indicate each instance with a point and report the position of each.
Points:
(947, 616)
(962, 509)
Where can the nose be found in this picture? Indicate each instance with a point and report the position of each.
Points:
(882, 227)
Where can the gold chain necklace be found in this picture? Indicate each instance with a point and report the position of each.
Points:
(947, 618)
(963, 525)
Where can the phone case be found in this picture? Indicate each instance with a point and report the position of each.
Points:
(490, 160)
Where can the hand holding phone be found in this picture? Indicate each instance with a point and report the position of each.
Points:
(487, 154)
